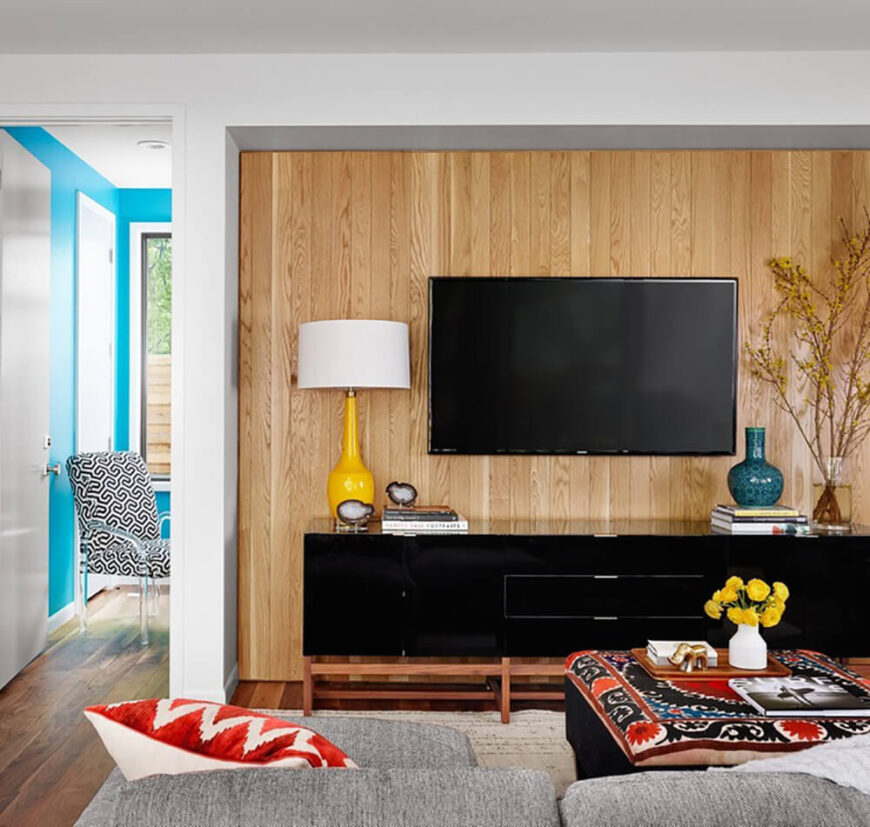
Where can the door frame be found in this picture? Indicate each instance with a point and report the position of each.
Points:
(46, 115)
(83, 202)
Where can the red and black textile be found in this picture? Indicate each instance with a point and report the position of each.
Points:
(621, 718)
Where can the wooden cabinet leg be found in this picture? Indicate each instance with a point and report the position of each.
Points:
(505, 690)
(307, 686)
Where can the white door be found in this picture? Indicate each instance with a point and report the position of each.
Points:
(95, 339)
(25, 255)
(95, 326)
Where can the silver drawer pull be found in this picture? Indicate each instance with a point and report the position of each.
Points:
(605, 618)
(605, 577)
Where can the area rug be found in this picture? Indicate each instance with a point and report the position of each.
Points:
(534, 739)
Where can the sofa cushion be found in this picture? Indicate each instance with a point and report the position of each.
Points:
(365, 798)
(382, 744)
(374, 744)
(163, 735)
(720, 799)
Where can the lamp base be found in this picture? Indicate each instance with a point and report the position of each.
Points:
(350, 479)
(349, 485)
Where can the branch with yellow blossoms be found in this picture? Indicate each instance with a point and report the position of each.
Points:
(829, 354)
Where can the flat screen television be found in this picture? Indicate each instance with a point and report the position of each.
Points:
(582, 365)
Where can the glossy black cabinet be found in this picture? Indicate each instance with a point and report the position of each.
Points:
(518, 592)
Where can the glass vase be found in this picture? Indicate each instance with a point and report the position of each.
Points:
(832, 498)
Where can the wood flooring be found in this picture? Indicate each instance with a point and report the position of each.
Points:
(51, 760)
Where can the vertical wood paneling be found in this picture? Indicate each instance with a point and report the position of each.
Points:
(660, 261)
(255, 537)
(640, 216)
(500, 246)
(331, 235)
(620, 234)
(580, 472)
(520, 263)
(301, 438)
(599, 263)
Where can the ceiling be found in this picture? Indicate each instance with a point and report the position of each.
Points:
(112, 151)
(414, 26)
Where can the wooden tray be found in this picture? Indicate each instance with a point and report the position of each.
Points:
(718, 673)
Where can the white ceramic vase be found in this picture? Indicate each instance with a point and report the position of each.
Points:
(747, 649)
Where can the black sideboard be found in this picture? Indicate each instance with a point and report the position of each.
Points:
(514, 589)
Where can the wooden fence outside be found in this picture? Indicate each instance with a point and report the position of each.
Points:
(158, 414)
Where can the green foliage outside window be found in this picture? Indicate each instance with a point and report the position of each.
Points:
(158, 255)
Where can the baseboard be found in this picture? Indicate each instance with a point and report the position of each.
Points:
(231, 683)
(216, 696)
(62, 616)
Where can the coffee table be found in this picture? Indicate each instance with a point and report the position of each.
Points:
(622, 720)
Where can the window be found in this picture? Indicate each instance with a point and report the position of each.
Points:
(156, 411)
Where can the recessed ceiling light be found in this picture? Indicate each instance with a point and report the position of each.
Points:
(152, 144)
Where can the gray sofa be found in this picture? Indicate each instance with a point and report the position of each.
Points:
(416, 775)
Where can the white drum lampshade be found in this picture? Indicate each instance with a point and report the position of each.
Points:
(353, 353)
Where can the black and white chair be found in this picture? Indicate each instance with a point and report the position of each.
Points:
(119, 527)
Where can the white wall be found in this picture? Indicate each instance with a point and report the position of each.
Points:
(206, 94)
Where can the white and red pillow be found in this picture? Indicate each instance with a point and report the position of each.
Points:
(171, 736)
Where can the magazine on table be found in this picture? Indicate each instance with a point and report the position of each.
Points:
(800, 698)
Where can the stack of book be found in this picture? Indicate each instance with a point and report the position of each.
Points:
(774, 519)
(658, 651)
(422, 519)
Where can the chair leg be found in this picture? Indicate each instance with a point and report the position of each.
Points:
(143, 609)
(83, 599)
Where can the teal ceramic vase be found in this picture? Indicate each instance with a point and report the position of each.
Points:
(755, 482)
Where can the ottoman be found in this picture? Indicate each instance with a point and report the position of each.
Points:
(620, 719)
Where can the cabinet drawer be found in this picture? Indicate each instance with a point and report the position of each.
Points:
(604, 595)
(560, 637)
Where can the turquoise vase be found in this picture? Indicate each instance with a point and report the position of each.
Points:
(755, 482)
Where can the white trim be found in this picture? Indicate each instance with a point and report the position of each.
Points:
(83, 202)
(231, 684)
(137, 229)
(162, 484)
(64, 615)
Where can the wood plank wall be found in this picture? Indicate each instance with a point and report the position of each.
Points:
(356, 235)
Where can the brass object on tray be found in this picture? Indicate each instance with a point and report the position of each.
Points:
(688, 658)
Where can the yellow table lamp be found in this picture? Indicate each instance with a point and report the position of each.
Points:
(352, 354)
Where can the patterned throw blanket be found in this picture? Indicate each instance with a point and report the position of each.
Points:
(701, 721)
(845, 762)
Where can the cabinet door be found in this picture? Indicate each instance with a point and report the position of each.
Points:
(826, 576)
(455, 595)
(354, 595)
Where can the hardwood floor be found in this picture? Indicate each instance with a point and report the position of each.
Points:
(51, 760)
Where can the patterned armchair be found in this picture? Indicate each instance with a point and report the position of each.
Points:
(119, 528)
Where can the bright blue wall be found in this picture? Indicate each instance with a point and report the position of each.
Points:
(133, 206)
(69, 175)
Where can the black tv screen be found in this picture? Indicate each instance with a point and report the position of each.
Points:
(582, 365)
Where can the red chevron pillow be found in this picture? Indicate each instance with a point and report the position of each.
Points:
(174, 736)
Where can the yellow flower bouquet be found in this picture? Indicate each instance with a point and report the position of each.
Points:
(750, 603)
